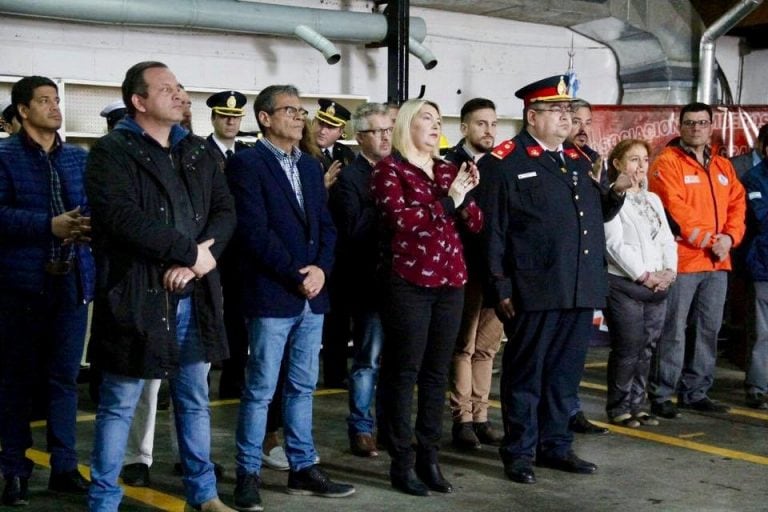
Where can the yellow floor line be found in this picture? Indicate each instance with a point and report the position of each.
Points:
(603, 364)
(145, 495)
(683, 443)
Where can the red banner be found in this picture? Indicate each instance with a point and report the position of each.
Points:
(735, 127)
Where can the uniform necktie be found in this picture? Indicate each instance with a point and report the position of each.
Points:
(229, 154)
(328, 154)
(557, 157)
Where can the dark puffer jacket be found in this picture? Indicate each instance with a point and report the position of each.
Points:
(139, 232)
(25, 215)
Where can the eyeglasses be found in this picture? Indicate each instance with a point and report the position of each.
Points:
(557, 110)
(378, 133)
(293, 111)
(690, 123)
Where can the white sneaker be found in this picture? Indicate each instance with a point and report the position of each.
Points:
(276, 459)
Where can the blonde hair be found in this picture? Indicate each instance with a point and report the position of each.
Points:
(401, 136)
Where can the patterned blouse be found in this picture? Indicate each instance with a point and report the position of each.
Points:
(425, 245)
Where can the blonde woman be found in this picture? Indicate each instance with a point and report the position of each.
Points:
(421, 199)
(642, 263)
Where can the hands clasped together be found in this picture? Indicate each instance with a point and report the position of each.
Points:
(72, 227)
(660, 280)
(176, 278)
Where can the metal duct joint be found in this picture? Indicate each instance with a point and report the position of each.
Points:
(319, 43)
(422, 52)
(704, 91)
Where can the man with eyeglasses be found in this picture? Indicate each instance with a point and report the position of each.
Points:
(705, 204)
(545, 254)
(285, 237)
(356, 269)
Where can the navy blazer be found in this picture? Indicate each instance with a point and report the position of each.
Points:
(274, 237)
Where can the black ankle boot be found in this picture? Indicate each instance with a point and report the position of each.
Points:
(431, 475)
(407, 482)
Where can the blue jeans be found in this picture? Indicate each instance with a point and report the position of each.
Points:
(673, 369)
(298, 340)
(41, 345)
(189, 391)
(368, 337)
(757, 374)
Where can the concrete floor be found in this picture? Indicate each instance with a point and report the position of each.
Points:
(695, 463)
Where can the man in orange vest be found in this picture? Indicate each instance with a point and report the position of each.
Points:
(705, 204)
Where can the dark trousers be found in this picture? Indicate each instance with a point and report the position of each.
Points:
(634, 326)
(233, 369)
(541, 369)
(41, 338)
(420, 326)
(336, 335)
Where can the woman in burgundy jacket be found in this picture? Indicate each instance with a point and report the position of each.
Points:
(421, 199)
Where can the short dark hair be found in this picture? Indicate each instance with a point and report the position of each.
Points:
(134, 82)
(695, 107)
(762, 138)
(24, 90)
(265, 101)
(474, 105)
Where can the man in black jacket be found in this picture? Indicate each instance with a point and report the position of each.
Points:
(546, 259)
(480, 333)
(355, 272)
(162, 215)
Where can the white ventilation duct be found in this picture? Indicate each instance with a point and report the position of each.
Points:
(320, 25)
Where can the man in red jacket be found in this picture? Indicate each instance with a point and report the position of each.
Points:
(705, 204)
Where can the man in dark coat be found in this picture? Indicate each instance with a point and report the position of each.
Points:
(162, 215)
(227, 112)
(480, 333)
(546, 259)
(46, 282)
(327, 128)
(357, 265)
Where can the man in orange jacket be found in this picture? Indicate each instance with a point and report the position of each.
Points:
(705, 204)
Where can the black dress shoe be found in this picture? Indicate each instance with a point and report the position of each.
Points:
(408, 482)
(570, 463)
(71, 482)
(520, 471)
(15, 492)
(135, 475)
(705, 405)
(433, 478)
(665, 409)
(313, 481)
(486, 434)
(464, 437)
(581, 425)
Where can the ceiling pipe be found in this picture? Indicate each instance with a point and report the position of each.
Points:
(319, 43)
(704, 91)
(218, 15)
(420, 51)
